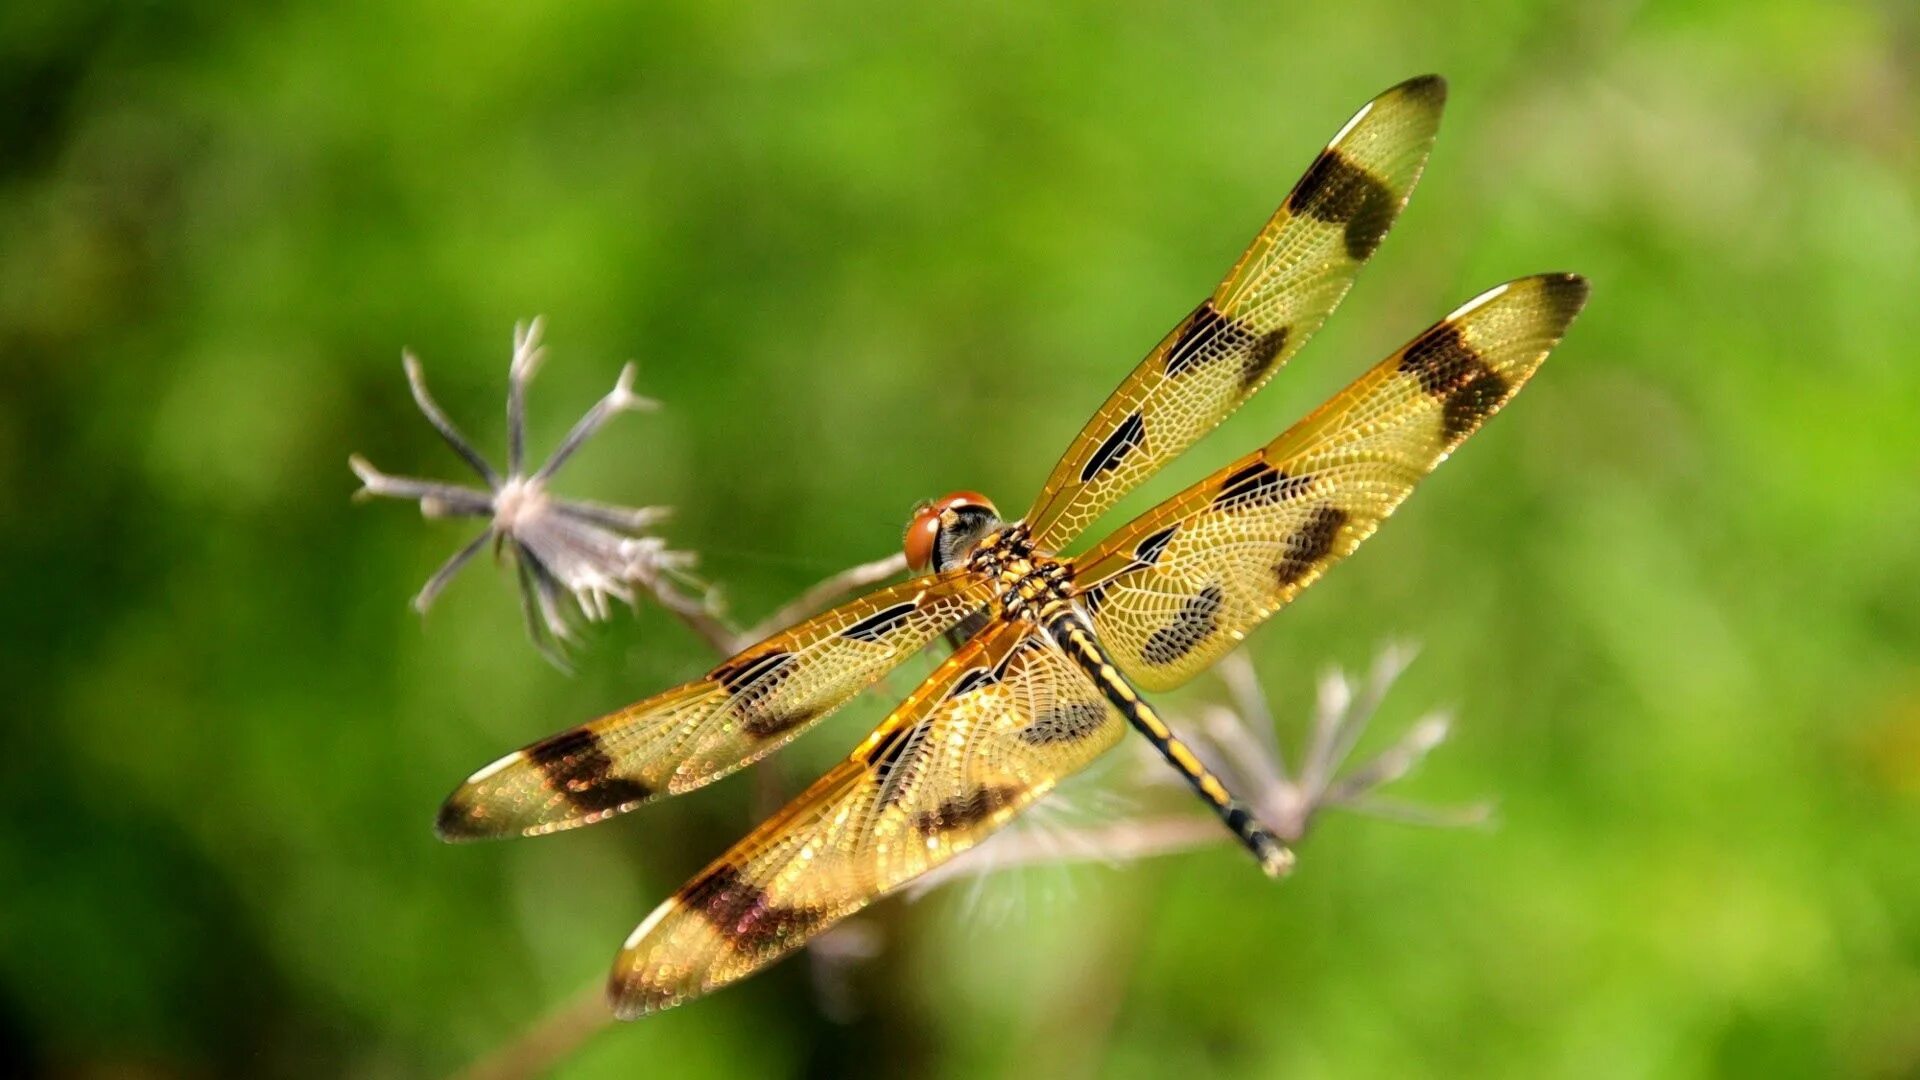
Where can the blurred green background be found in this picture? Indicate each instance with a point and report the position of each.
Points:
(866, 255)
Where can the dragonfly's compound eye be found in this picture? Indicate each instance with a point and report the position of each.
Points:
(944, 530)
(921, 533)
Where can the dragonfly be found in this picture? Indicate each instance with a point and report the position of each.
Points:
(1057, 652)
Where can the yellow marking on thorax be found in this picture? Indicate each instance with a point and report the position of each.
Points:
(1026, 585)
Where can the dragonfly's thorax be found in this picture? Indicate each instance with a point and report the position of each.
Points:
(1029, 583)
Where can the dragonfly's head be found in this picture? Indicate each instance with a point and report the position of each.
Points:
(943, 532)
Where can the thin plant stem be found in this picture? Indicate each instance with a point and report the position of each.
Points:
(431, 590)
(698, 617)
(556, 1037)
(526, 357)
(618, 400)
(827, 591)
(417, 381)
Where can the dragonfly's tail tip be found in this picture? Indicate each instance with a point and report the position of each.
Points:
(1277, 861)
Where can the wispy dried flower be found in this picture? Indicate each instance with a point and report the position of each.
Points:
(1243, 737)
(1237, 740)
(573, 557)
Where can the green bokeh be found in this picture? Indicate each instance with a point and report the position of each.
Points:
(870, 253)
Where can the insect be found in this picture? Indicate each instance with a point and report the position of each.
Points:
(1058, 649)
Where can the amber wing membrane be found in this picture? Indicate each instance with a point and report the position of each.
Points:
(988, 733)
(1172, 591)
(1282, 289)
(694, 734)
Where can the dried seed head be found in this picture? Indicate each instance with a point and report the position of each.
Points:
(1237, 741)
(574, 557)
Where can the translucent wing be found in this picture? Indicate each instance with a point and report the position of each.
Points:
(1276, 296)
(1176, 588)
(988, 733)
(694, 734)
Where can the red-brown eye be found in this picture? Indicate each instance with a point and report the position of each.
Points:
(924, 530)
(921, 533)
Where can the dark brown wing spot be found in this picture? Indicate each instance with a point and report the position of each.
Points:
(1307, 547)
(1261, 355)
(1339, 192)
(1198, 617)
(969, 625)
(972, 679)
(576, 766)
(753, 681)
(1148, 551)
(1431, 89)
(1255, 485)
(899, 761)
(1566, 294)
(741, 675)
(459, 819)
(881, 623)
(964, 811)
(1093, 598)
(764, 723)
(1064, 722)
(745, 915)
(1472, 403)
(1120, 442)
(884, 756)
(1442, 360)
(1197, 342)
(1207, 337)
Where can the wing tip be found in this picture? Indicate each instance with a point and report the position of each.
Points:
(465, 816)
(634, 989)
(1566, 294)
(461, 819)
(1562, 294)
(1414, 105)
(1429, 90)
(632, 996)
